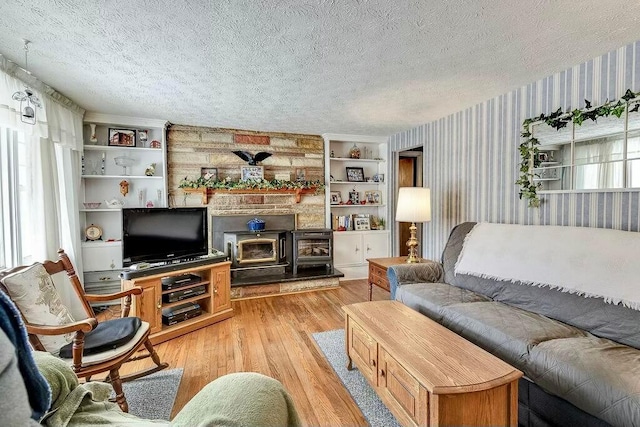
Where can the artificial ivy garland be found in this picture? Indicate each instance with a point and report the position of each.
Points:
(251, 184)
(558, 120)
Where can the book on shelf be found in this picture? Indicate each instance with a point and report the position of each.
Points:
(341, 223)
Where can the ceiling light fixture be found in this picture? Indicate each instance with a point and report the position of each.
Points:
(28, 101)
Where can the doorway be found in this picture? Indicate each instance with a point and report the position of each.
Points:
(409, 175)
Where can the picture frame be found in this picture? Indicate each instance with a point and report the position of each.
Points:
(354, 197)
(373, 197)
(209, 173)
(336, 198)
(119, 137)
(301, 174)
(361, 223)
(251, 172)
(355, 174)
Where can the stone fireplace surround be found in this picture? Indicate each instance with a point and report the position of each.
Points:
(189, 148)
(262, 282)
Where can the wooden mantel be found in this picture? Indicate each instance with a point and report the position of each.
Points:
(206, 192)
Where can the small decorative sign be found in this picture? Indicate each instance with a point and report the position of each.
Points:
(251, 172)
(209, 173)
(283, 176)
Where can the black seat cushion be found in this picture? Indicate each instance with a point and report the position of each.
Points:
(106, 336)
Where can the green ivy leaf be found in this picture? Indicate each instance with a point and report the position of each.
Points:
(628, 95)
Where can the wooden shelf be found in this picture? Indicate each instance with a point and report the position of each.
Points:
(117, 148)
(348, 159)
(206, 192)
(206, 295)
(366, 205)
(355, 183)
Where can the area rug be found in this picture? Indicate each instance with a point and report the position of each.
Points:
(153, 396)
(332, 345)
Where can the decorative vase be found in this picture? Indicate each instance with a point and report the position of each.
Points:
(93, 137)
(354, 153)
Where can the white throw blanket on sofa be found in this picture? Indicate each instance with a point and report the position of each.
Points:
(593, 262)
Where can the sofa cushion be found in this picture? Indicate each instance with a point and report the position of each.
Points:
(505, 331)
(597, 375)
(429, 298)
(605, 320)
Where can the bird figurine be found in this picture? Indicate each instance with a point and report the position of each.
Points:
(250, 158)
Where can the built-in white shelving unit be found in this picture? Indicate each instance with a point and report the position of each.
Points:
(100, 182)
(352, 247)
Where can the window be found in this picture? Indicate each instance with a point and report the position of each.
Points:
(16, 235)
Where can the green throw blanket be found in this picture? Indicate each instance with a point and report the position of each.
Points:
(75, 404)
(234, 400)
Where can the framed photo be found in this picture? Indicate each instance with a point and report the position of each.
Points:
(354, 197)
(209, 173)
(374, 197)
(543, 157)
(251, 172)
(361, 223)
(336, 198)
(355, 174)
(301, 174)
(122, 137)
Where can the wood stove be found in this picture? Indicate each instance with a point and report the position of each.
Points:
(256, 248)
(312, 247)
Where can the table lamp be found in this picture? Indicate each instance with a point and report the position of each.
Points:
(414, 205)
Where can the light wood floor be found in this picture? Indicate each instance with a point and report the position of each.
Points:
(273, 336)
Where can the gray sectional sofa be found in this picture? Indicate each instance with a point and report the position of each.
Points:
(580, 356)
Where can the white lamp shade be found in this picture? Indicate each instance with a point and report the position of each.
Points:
(414, 204)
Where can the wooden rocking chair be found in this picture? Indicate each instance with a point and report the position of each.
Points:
(35, 290)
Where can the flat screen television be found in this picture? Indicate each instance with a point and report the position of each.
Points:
(163, 234)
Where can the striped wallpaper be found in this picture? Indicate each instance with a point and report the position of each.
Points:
(471, 157)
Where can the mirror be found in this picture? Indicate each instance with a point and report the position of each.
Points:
(595, 155)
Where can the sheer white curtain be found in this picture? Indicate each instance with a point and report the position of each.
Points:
(598, 164)
(49, 218)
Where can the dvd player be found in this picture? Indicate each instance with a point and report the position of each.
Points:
(179, 295)
(180, 313)
(179, 281)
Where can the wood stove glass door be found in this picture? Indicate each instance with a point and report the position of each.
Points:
(257, 251)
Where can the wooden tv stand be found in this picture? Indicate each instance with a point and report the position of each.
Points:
(215, 302)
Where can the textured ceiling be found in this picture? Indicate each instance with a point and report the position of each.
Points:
(370, 67)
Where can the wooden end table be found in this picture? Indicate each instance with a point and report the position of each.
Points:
(426, 374)
(378, 271)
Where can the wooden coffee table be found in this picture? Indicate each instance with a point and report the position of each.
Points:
(426, 374)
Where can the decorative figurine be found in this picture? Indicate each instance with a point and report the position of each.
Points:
(354, 153)
(124, 187)
(143, 135)
(155, 144)
(150, 170)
